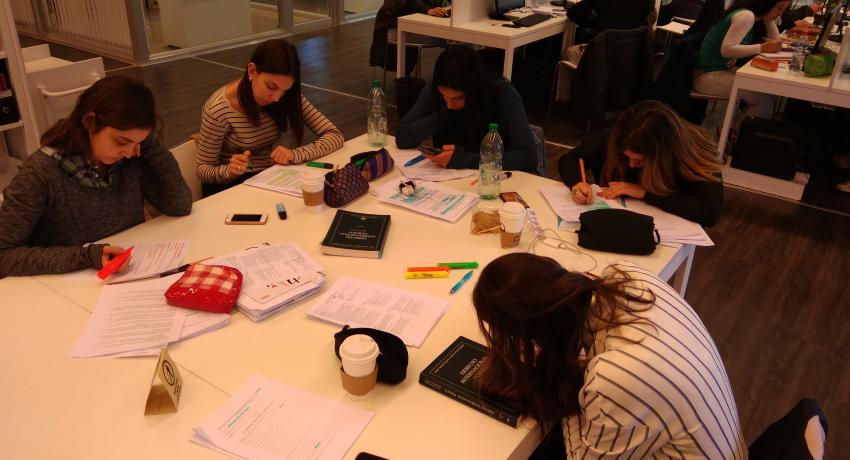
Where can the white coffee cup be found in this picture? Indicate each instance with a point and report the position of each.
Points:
(359, 355)
(313, 190)
(512, 218)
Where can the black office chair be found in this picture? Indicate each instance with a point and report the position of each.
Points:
(614, 73)
(798, 435)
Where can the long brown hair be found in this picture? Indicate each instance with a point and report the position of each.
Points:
(279, 57)
(671, 148)
(118, 102)
(535, 316)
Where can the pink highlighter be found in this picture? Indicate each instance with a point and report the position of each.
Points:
(113, 264)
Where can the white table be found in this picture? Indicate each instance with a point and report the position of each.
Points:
(93, 408)
(786, 83)
(484, 32)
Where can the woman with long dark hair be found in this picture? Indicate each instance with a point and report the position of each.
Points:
(651, 154)
(621, 362)
(731, 39)
(243, 121)
(90, 179)
(455, 108)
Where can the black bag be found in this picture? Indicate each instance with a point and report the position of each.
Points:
(767, 147)
(617, 230)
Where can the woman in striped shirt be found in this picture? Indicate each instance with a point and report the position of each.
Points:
(622, 362)
(242, 122)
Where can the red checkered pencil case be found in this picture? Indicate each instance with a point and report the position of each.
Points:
(212, 288)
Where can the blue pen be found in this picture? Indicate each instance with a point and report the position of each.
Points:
(281, 211)
(623, 200)
(415, 160)
(460, 283)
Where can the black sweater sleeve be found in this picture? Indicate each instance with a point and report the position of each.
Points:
(420, 122)
(700, 202)
(592, 150)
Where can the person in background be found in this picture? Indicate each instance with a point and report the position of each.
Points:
(653, 155)
(387, 19)
(243, 121)
(90, 179)
(622, 363)
(455, 108)
(729, 40)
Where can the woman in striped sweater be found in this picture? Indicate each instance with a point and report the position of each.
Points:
(622, 362)
(242, 122)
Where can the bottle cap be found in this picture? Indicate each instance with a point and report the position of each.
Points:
(493, 127)
(376, 83)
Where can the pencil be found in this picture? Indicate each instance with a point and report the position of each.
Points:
(581, 167)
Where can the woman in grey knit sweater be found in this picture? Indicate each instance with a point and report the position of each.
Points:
(89, 180)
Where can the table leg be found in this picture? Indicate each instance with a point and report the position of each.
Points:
(400, 53)
(509, 63)
(727, 121)
(679, 280)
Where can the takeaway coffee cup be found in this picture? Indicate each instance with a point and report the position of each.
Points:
(359, 371)
(313, 191)
(512, 217)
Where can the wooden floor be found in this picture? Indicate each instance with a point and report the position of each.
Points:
(773, 291)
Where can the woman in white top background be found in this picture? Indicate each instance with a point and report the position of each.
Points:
(242, 122)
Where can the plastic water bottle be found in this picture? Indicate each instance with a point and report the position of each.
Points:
(490, 165)
(376, 117)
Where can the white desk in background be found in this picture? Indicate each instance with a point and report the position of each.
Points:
(484, 32)
(410, 421)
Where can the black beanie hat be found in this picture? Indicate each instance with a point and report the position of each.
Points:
(392, 356)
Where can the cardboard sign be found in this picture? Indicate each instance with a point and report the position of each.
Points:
(166, 385)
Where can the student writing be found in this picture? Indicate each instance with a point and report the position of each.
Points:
(89, 180)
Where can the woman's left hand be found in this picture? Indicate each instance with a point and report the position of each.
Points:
(442, 159)
(282, 155)
(616, 189)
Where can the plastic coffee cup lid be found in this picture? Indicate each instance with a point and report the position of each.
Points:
(359, 347)
(512, 208)
(312, 177)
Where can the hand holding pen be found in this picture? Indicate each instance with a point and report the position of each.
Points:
(581, 192)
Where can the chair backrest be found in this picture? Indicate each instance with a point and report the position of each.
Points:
(539, 149)
(185, 156)
(801, 433)
(615, 71)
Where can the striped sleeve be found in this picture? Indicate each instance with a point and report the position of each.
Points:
(210, 142)
(329, 138)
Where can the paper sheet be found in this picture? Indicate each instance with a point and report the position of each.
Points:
(281, 179)
(431, 199)
(266, 419)
(130, 317)
(409, 315)
(561, 202)
(672, 228)
(152, 257)
(426, 169)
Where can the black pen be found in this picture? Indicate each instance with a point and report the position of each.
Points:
(173, 271)
(281, 211)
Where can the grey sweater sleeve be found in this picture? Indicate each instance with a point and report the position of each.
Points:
(162, 184)
(25, 202)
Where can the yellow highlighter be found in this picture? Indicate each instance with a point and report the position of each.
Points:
(424, 275)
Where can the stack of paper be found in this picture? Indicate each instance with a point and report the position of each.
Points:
(132, 319)
(431, 199)
(426, 169)
(273, 277)
(150, 258)
(358, 303)
(567, 210)
(550, 9)
(266, 419)
(281, 179)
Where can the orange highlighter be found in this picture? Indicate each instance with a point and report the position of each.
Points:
(113, 264)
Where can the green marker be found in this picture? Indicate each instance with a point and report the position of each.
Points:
(458, 264)
(319, 164)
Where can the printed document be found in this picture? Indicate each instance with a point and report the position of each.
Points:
(266, 419)
(560, 200)
(150, 258)
(273, 277)
(431, 199)
(426, 169)
(409, 315)
(281, 179)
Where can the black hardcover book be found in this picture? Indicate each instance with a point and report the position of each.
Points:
(455, 373)
(356, 234)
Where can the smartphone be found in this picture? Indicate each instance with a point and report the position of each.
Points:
(428, 150)
(246, 219)
(513, 196)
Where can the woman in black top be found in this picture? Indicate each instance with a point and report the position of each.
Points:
(653, 155)
(455, 108)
